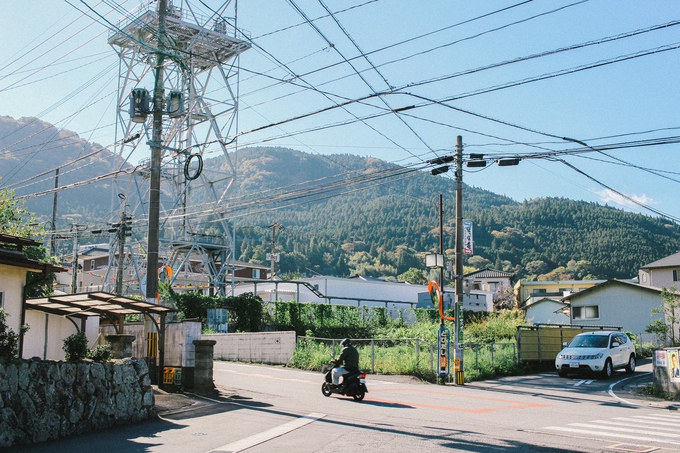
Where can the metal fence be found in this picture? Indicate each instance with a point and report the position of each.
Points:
(489, 356)
(406, 355)
(385, 355)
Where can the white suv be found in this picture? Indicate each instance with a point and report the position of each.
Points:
(601, 352)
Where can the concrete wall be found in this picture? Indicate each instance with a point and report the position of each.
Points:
(179, 337)
(666, 379)
(47, 400)
(258, 347)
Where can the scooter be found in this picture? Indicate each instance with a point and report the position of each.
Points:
(353, 384)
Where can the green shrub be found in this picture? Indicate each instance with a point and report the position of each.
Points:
(9, 340)
(75, 347)
(102, 353)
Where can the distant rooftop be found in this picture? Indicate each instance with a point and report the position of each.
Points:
(669, 261)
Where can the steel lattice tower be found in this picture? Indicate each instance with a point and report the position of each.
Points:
(200, 73)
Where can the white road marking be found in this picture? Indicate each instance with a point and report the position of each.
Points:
(605, 434)
(584, 381)
(264, 436)
(624, 429)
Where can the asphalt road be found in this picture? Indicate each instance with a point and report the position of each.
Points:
(260, 409)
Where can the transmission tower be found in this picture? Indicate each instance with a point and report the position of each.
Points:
(196, 61)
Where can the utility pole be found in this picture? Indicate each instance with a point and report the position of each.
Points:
(273, 255)
(123, 229)
(441, 247)
(459, 377)
(53, 229)
(155, 170)
(74, 262)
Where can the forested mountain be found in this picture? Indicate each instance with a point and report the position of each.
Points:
(386, 229)
(345, 214)
(30, 147)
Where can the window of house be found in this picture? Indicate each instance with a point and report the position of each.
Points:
(256, 273)
(585, 312)
(540, 291)
(92, 264)
(2, 299)
(644, 278)
(564, 290)
(676, 275)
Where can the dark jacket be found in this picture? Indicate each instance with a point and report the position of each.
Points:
(350, 357)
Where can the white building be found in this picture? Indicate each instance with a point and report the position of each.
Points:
(359, 291)
(663, 273)
(616, 303)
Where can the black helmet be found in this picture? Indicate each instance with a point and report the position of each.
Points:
(346, 342)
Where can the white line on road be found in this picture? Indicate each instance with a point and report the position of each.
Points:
(264, 436)
(605, 434)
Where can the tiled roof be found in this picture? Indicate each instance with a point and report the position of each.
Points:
(490, 273)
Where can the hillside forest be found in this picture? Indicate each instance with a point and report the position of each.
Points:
(370, 225)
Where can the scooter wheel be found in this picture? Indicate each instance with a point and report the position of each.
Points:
(326, 389)
(359, 395)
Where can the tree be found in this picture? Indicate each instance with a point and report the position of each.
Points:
(667, 327)
(16, 220)
(413, 275)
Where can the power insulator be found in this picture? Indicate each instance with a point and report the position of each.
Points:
(139, 105)
(220, 26)
(175, 104)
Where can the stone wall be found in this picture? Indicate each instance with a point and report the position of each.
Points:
(45, 400)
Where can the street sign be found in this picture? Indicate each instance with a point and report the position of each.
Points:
(467, 237)
(443, 346)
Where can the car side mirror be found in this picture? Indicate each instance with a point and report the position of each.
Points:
(564, 344)
(615, 344)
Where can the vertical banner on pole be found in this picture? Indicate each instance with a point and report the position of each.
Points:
(444, 346)
(467, 237)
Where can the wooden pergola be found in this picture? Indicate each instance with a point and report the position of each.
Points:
(102, 304)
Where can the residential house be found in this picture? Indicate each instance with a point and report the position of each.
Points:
(663, 273)
(546, 310)
(14, 266)
(489, 280)
(615, 303)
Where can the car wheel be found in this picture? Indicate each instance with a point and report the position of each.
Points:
(630, 368)
(561, 373)
(608, 369)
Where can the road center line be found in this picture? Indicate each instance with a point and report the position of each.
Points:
(264, 436)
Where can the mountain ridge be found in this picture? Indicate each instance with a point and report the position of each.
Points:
(346, 214)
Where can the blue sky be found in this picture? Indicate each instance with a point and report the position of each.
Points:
(618, 96)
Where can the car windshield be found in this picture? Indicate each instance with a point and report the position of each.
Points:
(589, 341)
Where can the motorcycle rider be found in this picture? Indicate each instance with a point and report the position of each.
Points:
(347, 362)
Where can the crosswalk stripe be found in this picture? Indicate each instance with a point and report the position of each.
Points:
(594, 425)
(606, 434)
(649, 422)
(666, 426)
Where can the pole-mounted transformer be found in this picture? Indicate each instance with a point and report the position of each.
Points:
(139, 105)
